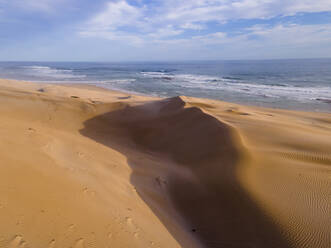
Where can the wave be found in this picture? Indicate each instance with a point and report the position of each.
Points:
(118, 81)
(159, 71)
(232, 78)
(237, 85)
(50, 73)
(183, 77)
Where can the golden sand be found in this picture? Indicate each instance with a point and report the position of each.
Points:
(87, 167)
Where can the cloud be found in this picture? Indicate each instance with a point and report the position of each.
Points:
(279, 35)
(43, 5)
(116, 14)
(295, 6)
(37, 5)
(224, 10)
(46, 6)
(108, 23)
(134, 40)
(292, 34)
(194, 25)
(280, 41)
(168, 31)
(171, 17)
(172, 29)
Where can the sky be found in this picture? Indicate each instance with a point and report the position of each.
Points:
(168, 30)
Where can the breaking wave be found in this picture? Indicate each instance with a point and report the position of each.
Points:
(45, 72)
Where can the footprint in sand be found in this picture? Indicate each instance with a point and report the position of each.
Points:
(52, 244)
(88, 242)
(236, 112)
(110, 235)
(160, 182)
(18, 242)
(95, 101)
(128, 220)
(124, 97)
(89, 192)
(133, 228)
(19, 222)
(81, 154)
(31, 130)
(79, 243)
(70, 230)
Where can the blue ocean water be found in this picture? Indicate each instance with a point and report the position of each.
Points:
(290, 84)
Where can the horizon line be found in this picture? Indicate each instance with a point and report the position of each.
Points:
(157, 61)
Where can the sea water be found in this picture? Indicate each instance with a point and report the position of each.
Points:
(303, 84)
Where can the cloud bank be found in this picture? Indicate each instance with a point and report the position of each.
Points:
(172, 29)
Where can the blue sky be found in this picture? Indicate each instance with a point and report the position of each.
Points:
(144, 30)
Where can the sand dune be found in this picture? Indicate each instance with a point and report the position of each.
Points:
(87, 167)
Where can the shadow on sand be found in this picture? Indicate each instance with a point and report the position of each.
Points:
(216, 209)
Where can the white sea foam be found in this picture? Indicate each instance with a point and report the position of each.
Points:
(50, 73)
(120, 81)
(304, 93)
(184, 77)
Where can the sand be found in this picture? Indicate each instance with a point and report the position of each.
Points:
(87, 167)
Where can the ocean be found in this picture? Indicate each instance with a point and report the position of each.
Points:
(303, 84)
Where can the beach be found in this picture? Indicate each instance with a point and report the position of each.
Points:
(83, 166)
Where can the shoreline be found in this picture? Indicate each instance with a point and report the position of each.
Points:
(91, 85)
(87, 166)
(204, 98)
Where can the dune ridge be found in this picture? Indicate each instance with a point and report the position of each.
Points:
(210, 150)
(87, 167)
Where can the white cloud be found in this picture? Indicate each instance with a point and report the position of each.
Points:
(37, 5)
(46, 6)
(168, 24)
(168, 31)
(134, 40)
(281, 41)
(108, 23)
(116, 14)
(298, 35)
(295, 6)
(223, 10)
(193, 26)
(213, 38)
(279, 35)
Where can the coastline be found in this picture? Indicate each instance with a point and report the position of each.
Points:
(305, 87)
(91, 167)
